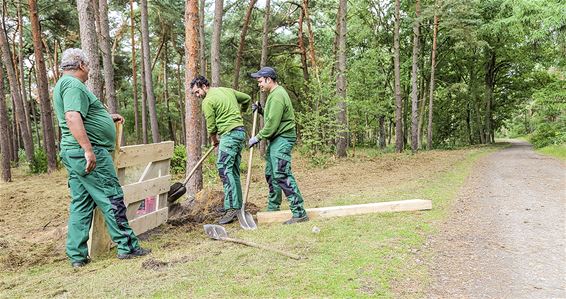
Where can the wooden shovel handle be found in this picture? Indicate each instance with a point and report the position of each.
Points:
(198, 164)
(252, 244)
(249, 176)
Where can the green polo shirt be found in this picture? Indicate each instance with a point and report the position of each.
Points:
(279, 116)
(71, 94)
(222, 109)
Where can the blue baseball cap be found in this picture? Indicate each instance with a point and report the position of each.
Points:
(265, 72)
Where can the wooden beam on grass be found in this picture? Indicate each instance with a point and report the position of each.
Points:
(340, 211)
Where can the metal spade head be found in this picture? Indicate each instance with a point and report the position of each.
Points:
(216, 232)
(246, 220)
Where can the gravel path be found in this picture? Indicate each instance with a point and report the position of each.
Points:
(506, 235)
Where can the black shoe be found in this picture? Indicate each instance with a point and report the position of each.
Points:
(80, 263)
(297, 220)
(137, 252)
(229, 217)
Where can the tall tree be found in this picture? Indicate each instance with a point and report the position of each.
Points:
(397, 68)
(134, 72)
(89, 45)
(148, 78)
(5, 150)
(432, 70)
(342, 140)
(202, 64)
(193, 111)
(414, 81)
(16, 94)
(144, 97)
(243, 33)
(21, 65)
(215, 44)
(43, 89)
(107, 61)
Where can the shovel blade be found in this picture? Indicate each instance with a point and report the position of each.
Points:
(216, 232)
(175, 192)
(246, 220)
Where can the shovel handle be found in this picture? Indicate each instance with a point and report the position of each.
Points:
(197, 165)
(252, 244)
(249, 176)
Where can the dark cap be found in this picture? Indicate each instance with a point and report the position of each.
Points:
(265, 72)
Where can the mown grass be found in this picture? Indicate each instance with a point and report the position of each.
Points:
(376, 255)
(557, 151)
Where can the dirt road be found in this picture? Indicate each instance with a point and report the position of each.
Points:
(505, 237)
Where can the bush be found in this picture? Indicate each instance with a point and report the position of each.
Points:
(548, 134)
(179, 160)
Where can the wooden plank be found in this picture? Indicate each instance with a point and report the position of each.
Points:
(148, 221)
(340, 211)
(144, 153)
(153, 187)
(99, 241)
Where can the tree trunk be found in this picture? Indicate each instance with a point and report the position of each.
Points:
(431, 95)
(193, 111)
(382, 131)
(148, 80)
(43, 90)
(89, 45)
(342, 140)
(245, 26)
(398, 100)
(106, 49)
(21, 68)
(5, 148)
(19, 114)
(144, 97)
(312, 55)
(166, 94)
(181, 106)
(263, 62)
(134, 72)
(489, 86)
(414, 82)
(302, 49)
(215, 44)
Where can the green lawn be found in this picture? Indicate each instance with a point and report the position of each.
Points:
(378, 255)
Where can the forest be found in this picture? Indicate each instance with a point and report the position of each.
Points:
(394, 75)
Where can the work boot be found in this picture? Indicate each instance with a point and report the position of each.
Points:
(297, 220)
(137, 252)
(80, 264)
(230, 216)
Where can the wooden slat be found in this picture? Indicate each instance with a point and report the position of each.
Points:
(339, 211)
(138, 191)
(144, 153)
(152, 220)
(99, 241)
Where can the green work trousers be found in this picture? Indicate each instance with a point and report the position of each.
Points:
(280, 177)
(99, 188)
(228, 165)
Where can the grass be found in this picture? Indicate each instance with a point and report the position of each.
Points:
(378, 255)
(557, 151)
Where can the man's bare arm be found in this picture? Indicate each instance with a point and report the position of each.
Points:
(76, 126)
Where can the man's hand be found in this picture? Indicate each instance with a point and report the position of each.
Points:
(257, 106)
(214, 140)
(117, 118)
(253, 141)
(90, 161)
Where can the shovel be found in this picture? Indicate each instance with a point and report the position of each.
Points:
(177, 190)
(245, 218)
(217, 232)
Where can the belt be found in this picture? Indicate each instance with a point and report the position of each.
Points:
(239, 129)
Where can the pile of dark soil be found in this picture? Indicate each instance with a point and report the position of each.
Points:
(207, 207)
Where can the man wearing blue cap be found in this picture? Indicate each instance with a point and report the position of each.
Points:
(279, 130)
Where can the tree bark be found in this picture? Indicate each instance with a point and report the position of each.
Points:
(134, 72)
(144, 97)
(202, 64)
(106, 49)
(302, 48)
(192, 104)
(263, 62)
(245, 26)
(21, 68)
(342, 140)
(489, 86)
(5, 148)
(215, 44)
(166, 94)
(16, 94)
(89, 45)
(414, 81)
(312, 55)
(431, 95)
(398, 100)
(148, 79)
(43, 90)
(382, 131)
(181, 106)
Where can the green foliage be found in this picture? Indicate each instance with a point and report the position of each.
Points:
(548, 134)
(37, 165)
(179, 160)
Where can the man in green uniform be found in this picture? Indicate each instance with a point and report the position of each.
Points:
(88, 137)
(279, 130)
(222, 109)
